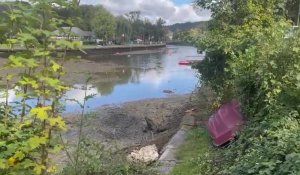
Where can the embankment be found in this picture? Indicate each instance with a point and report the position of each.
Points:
(96, 50)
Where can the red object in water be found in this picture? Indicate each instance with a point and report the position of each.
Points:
(184, 62)
(225, 123)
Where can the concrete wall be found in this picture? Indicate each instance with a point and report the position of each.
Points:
(4, 53)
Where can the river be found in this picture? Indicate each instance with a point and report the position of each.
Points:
(129, 77)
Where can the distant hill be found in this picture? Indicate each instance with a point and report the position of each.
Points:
(178, 27)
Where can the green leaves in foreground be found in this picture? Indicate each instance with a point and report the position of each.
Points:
(27, 129)
(252, 56)
(23, 142)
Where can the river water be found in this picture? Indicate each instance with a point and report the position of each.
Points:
(133, 76)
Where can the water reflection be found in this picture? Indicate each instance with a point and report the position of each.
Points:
(135, 76)
(143, 76)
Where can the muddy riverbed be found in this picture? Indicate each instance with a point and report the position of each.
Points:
(133, 123)
(140, 97)
(128, 126)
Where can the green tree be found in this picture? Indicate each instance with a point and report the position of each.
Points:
(86, 14)
(250, 57)
(137, 25)
(161, 32)
(26, 132)
(123, 29)
(103, 24)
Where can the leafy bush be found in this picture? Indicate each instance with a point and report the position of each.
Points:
(35, 72)
(249, 53)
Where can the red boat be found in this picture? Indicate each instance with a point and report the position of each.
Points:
(225, 123)
(188, 62)
(185, 62)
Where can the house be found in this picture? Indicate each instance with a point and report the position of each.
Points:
(76, 34)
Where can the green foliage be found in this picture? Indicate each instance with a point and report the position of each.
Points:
(196, 155)
(103, 24)
(95, 159)
(144, 29)
(250, 53)
(182, 27)
(191, 36)
(26, 140)
(123, 29)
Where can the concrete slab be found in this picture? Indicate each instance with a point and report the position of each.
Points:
(168, 155)
(177, 140)
(168, 159)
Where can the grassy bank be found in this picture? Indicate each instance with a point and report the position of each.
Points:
(197, 154)
(194, 153)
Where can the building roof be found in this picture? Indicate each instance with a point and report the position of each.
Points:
(76, 31)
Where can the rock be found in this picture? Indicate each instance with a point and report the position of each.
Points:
(168, 92)
(147, 154)
(157, 123)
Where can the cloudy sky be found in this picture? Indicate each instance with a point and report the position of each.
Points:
(173, 11)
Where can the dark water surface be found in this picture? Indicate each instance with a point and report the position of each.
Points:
(137, 77)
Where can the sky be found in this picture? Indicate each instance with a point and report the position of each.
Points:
(173, 11)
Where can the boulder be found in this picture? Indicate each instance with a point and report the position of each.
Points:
(147, 155)
(157, 123)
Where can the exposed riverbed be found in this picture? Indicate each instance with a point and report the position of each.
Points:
(139, 99)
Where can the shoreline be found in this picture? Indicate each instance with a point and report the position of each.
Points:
(96, 50)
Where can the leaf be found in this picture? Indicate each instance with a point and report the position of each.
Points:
(296, 49)
(25, 124)
(3, 164)
(38, 169)
(19, 155)
(57, 121)
(15, 62)
(36, 142)
(2, 143)
(31, 63)
(29, 81)
(55, 66)
(12, 161)
(41, 112)
(53, 82)
(26, 37)
(298, 77)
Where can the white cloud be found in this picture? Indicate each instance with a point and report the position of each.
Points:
(154, 9)
(78, 93)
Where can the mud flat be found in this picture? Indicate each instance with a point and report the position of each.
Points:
(132, 124)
